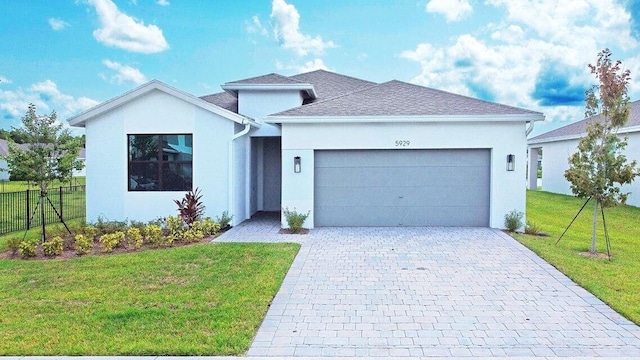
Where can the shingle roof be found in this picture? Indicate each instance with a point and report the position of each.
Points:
(4, 147)
(267, 79)
(397, 98)
(224, 100)
(580, 127)
(329, 85)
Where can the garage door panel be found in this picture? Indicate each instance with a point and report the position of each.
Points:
(402, 187)
(399, 196)
(435, 176)
(401, 216)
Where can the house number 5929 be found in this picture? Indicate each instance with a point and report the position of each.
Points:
(403, 143)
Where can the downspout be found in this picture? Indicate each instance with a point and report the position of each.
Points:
(245, 131)
(530, 129)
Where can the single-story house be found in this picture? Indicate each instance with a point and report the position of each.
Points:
(559, 144)
(350, 152)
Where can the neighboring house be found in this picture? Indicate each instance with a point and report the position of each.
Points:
(559, 144)
(4, 150)
(348, 151)
(82, 156)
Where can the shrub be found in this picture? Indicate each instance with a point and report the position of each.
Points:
(295, 220)
(513, 220)
(224, 220)
(84, 244)
(13, 244)
(153, 234)
(134, 237)
(175, 227)
(90, 231)
(109, 226)
(53, 247)
(193, 235)
(111, 241)
(27, 248)
(531, 228)
(208, 226)
(190, 207)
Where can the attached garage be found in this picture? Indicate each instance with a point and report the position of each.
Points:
(418, 187)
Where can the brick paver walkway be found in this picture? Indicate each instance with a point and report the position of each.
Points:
(417, 292)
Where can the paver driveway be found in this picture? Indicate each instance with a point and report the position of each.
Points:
(429, 292)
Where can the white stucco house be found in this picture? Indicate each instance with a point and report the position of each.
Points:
(349, 151)
(559, 144)
(4, 150)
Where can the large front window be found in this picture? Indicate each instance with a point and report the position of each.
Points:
(160, 162)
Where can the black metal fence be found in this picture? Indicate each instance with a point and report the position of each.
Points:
(20, 210)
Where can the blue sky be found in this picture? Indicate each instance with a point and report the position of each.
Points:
(69, 55)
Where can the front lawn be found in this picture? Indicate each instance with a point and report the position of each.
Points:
(616, 282)
(206, 299)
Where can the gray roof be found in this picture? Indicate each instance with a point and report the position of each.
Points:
(580, 127)
(4, 147)
(341, 95)
(224, 100)
(397, 98)
(269, 79)
(329, 85)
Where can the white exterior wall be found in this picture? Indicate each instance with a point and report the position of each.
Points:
(258, 104)
(555, 161)
(155, 113)
(508, 188)
(4, 174)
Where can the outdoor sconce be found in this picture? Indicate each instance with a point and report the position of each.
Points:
(296, 165)
(511, 162)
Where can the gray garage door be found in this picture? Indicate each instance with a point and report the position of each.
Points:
(402, 187)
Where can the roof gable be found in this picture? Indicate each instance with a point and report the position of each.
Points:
(576, 129)
(81, 119)
(397, 98)
(272, 78)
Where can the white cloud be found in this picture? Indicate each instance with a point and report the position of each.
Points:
(46, 96)
(316, 64)
(255, 26)
(124, 73)
(453, 10)
(286, 28)
(123, 31)
(57, 24)
(4, 80)
(163, 2)
(508, 65)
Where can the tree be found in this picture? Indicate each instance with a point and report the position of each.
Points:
(51, 153)
(598, 169)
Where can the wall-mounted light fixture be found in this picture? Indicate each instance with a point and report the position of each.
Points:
(511, 162)
(296, 165)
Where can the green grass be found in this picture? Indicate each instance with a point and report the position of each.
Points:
(10, 186)
(616, 282)
(14, 214)
(207, 299)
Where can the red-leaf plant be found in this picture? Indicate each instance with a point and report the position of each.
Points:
(190, 207)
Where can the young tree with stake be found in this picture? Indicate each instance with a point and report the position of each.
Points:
(51, 154)
(598, 169)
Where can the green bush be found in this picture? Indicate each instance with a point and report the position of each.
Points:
(224, 220)
(153, 234)
(28, 248)
(513, 220)
(109, 226)
(175, 228)
(111, 241)
(90, 231)
(531, 228)
(207, 226)
(295, 220)
(193, 235)
(134, 237)
(84, 244)
(53, 247)
(13, 244)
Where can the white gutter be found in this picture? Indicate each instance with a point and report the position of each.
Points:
(530, 129)
(245, 131)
